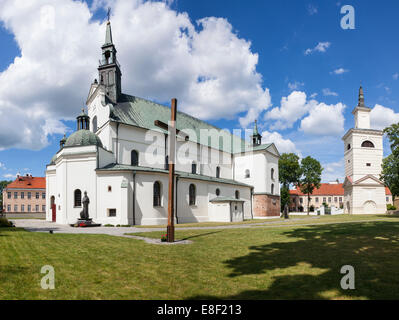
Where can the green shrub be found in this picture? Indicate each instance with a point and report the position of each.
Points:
(4, 223)
(109, 225)
(390, 207)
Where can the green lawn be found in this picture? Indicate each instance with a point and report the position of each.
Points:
(291, 262)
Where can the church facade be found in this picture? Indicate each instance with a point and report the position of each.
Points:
(119, 156)
(364, 193)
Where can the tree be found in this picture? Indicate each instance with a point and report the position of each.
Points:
(289, 173)
(311, 176)
(390, 165)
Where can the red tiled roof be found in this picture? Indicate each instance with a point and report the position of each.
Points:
(327, 189)
(28, 183)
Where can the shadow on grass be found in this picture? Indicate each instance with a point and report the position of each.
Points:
(200, 235)
(315, 256)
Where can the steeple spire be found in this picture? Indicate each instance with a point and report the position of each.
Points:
(256, 137)
(109, 70)
(361, 97)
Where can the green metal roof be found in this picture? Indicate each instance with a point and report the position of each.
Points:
(83, 138)
(181, 174)
(142, 113)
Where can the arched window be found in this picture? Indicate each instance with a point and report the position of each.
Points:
(237, 194)
(272, 173)
(77, 196)
(367, 144)
(134, 158)
(217, 172)
(349, 146)
(193, 168)
(95, 124)
(192, 195)
(157, 194)
(272, 188)
(247, 173)
(218, 192)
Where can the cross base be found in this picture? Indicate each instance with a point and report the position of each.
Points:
(170, 231)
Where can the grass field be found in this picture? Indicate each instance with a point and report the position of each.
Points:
(290, 262)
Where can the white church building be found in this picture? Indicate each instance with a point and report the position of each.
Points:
(119, 156)
(364, 193)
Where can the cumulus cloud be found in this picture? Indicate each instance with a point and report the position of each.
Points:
(382, 117)
(207, 66)
(320, 47)
(324, 119)
(395, 76)
(292, 108)
(283, 145)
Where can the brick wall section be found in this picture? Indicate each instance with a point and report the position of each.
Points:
(266, 205)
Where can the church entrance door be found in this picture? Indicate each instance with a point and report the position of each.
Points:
(53, 209)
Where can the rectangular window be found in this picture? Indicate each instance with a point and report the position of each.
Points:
(22, 195)
(300, 200)
(8, 195)
(368, 164)
(8, 207)
(317, 199)
(329, 199)
(324, 200)
(335, 199)
(43, 208)
(340, 199)
(22, 208)
(29, 208)
(43, 195)
(37, 208)
(111, 212)
(29, 195)
(37, 195)
(387, 199)
(15, 195)
(15, 208)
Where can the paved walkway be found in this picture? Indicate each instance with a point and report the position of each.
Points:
(45, 226)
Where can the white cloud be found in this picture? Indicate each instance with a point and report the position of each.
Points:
(295, 85)
(283, 145)
(206, 66)
(313, 95)
(395, 76)
(340, 71)
(382, 117)
(2, 166)
(333, 171)
(328, 92)
(292, 108)
(320, 47)
(9, 176)
(324, 120)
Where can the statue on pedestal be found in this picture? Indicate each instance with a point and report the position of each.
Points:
(84, 214)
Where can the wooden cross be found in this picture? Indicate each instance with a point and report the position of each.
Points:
(172, 132)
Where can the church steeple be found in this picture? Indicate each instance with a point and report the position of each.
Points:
(256, 137)
(109, 70)
(361, 113)
(361, 98)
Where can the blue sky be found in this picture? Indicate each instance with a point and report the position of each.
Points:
(280, 32)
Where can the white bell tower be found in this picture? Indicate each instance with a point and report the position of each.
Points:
(364, 192)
